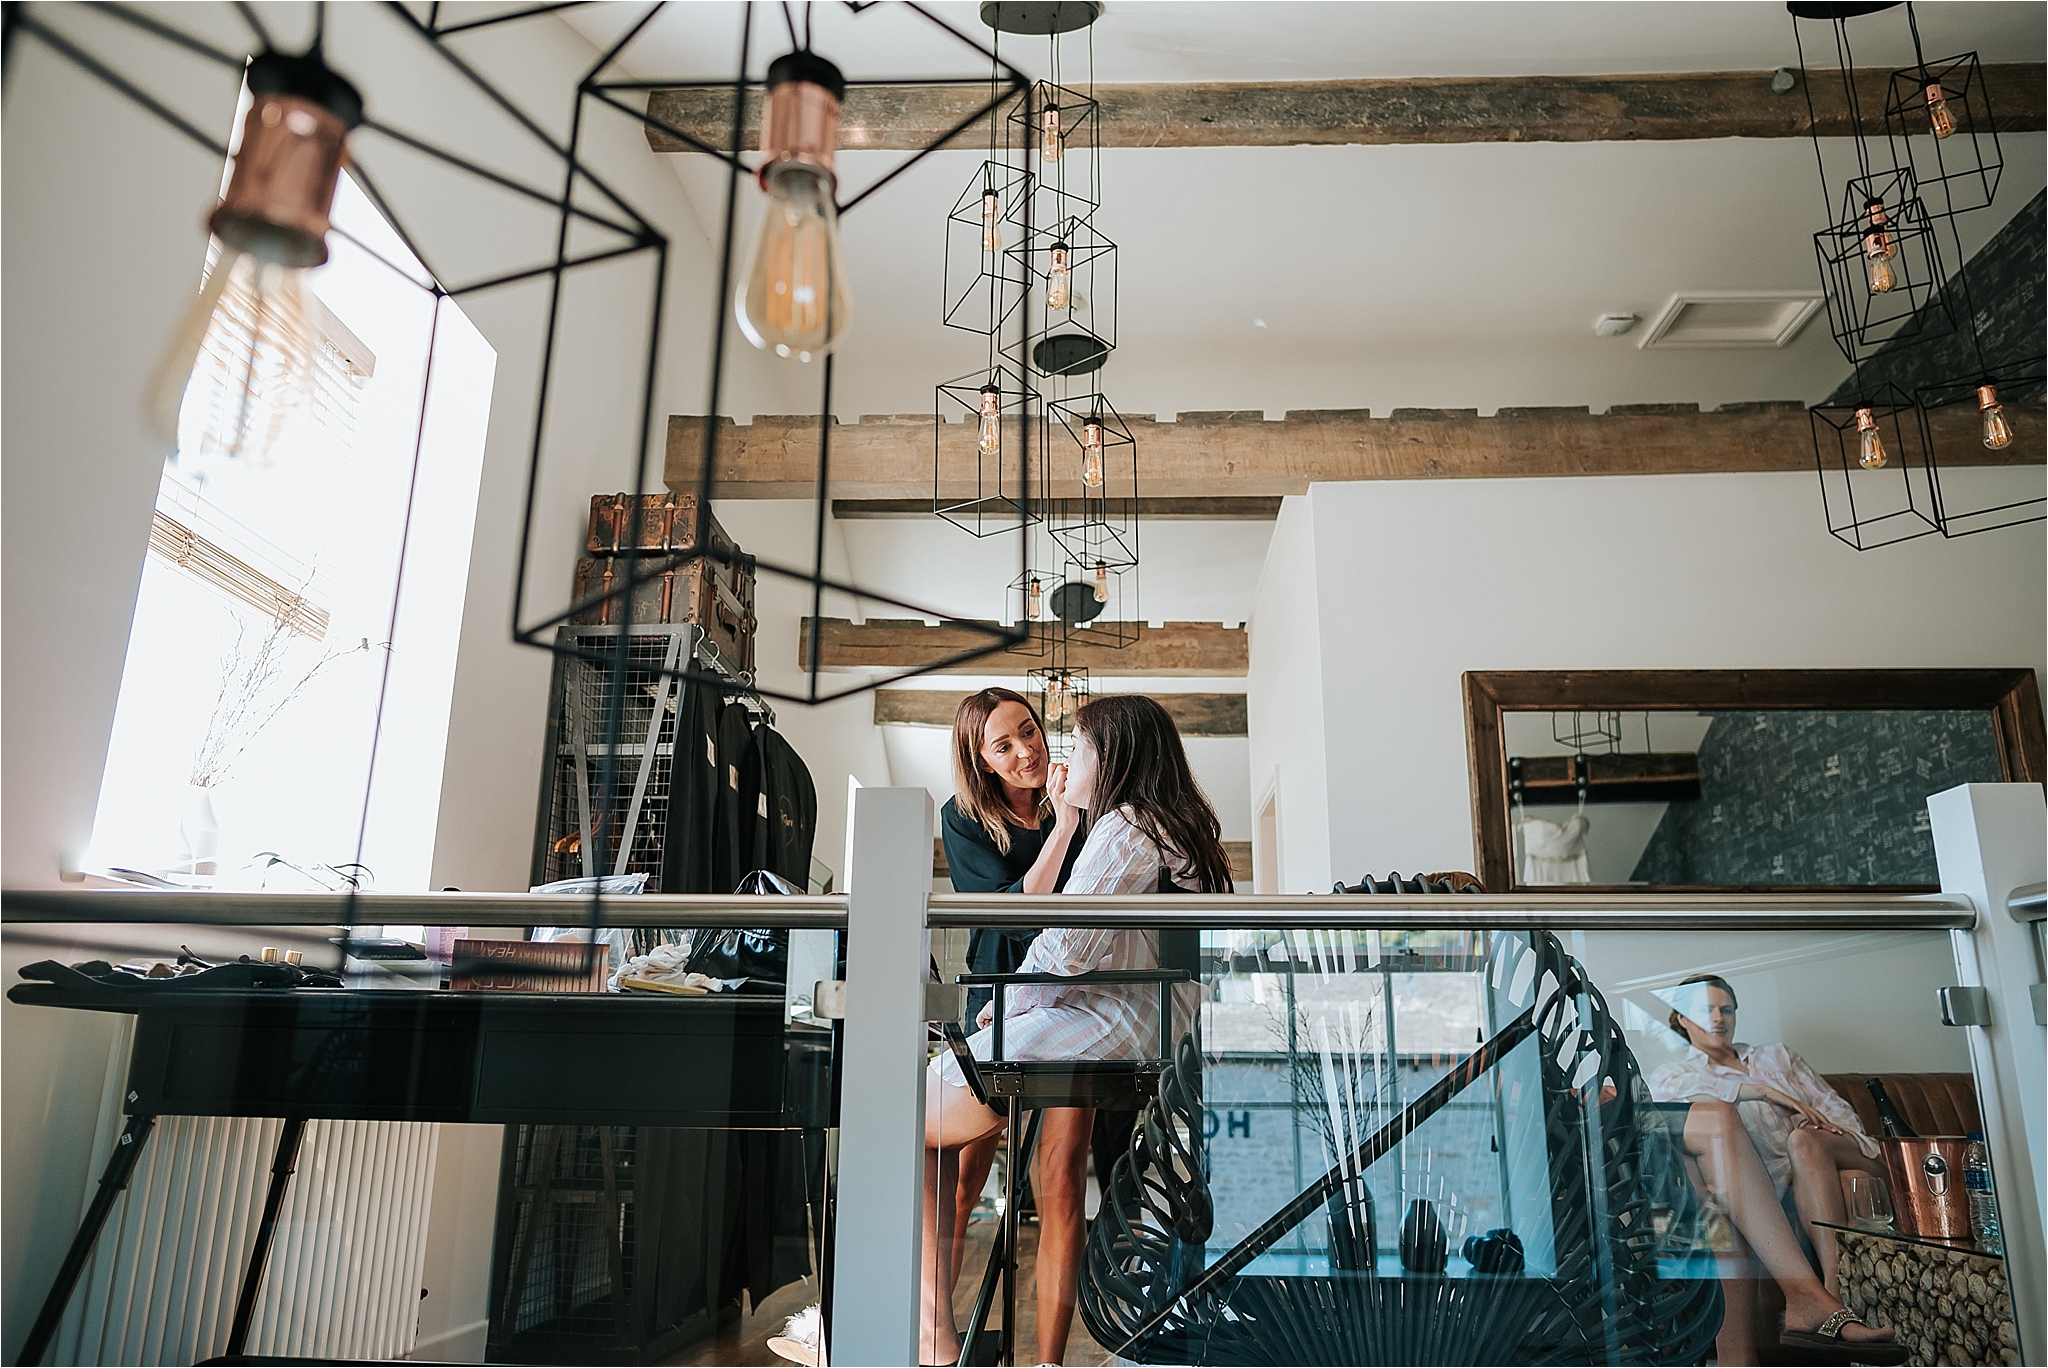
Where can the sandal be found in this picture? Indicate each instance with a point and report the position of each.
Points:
(1827, 1339)
(802, 1339)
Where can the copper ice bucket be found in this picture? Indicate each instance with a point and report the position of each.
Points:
(1928, 1195)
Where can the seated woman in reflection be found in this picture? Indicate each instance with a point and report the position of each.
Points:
(1003, 833)
(1763, 1123)
(1150, 830)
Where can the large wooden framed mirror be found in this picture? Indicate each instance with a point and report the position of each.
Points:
(1731, 780)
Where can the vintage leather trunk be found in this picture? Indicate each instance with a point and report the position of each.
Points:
(668, 522)
(717, 596)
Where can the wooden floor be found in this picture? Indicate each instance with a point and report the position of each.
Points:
(744, 1342)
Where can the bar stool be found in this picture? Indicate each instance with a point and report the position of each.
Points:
(1015, 1086)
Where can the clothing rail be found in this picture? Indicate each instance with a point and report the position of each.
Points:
(1434, 911)
(150, 906)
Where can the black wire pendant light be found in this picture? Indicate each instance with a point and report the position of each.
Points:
(1894, 274)
(801, 309)
(1880, 261)
(1938, 116)
(1876, 480)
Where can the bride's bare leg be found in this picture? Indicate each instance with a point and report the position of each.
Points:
(976, 1158)
(951, 1118)
(1736, 1343)
(1733, 1169)
(1818, 1160)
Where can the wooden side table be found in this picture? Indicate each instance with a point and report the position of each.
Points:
(1948, 1300)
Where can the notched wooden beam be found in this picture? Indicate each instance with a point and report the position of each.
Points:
(1196, 714)
(1245, 456)
(1172, 650)
(1647, 108)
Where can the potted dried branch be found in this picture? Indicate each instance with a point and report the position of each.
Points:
(256, 685)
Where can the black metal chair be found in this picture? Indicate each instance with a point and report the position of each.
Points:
(1616, 1294)
(1015, 1087)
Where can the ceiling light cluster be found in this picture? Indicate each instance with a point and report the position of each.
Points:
(1888, 286)
(1023, 239)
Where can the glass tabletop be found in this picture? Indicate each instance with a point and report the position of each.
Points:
(1961, 1246)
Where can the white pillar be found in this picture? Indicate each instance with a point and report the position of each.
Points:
(881, 1109)
(1989, 840)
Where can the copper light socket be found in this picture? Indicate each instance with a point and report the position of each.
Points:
(283, 185)
(1987, 397)
(1866, 420)
(800, 122)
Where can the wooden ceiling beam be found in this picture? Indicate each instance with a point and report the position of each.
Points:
(1196, 714)
(1243, 456)
(1174, 650)
(1650, 108)
(1148, 510)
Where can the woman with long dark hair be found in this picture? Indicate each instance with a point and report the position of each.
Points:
(1151, 830)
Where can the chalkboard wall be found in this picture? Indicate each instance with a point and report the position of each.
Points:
(1818, 798)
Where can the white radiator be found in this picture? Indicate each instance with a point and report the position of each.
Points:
(343, 1279)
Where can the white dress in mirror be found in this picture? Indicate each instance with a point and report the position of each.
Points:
(1555, 852)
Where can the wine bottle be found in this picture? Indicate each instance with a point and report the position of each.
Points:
(1893, 1124)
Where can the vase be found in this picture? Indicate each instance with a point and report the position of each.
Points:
(199, 830)
(1424, 1246)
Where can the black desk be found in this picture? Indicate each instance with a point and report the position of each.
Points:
(723, 1062)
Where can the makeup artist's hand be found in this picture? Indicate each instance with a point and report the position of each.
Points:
(986, 1017)
(1063, 812)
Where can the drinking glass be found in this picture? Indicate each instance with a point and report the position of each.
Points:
(1870, 1206)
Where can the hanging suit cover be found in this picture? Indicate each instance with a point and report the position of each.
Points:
(732, 845)
(686, 847)
(791, 802)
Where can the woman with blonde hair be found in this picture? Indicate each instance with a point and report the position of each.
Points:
(1150, 830)
(1761, 1123)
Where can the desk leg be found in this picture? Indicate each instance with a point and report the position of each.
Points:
(1012, 1224)
(282, 1166)
(120, 1168)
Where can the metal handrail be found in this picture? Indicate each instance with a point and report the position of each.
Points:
(1426, 911)
(1560, 911)
(149, 906)
(2029, 903)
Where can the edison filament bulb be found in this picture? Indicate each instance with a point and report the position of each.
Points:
(1055, 699)
(1034, 600)
(1091, 455)
(1049, 148)
(1879, 240)
(272, 226)
(1997, 431)
(1939, 116)
(1870, 441)
(991, 440)
(793, 299)
(1101, 582)
(991, 222)
(1879, 247)
(1059, 280)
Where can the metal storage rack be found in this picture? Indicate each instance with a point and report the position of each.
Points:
(583, 831)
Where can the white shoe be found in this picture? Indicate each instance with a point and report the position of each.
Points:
(802, 1339)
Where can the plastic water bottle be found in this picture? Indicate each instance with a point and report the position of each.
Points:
(1983, 1206)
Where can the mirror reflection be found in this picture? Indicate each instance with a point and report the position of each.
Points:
(1735, 798)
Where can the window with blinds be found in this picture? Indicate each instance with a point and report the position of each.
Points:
(273, 353)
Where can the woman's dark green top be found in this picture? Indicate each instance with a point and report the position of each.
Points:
(976, 866)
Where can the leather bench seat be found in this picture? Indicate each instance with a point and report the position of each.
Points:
(1932, 1103)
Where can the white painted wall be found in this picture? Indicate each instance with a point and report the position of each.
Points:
(1286, 700)
(97, 270)
(1420, 581)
